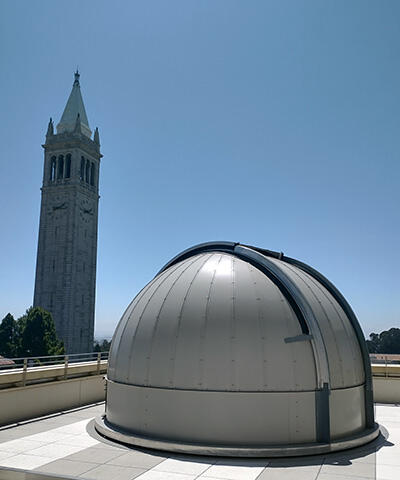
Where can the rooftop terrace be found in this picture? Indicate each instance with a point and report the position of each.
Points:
(65, 444)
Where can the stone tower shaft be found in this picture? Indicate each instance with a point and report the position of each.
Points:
(65, 283)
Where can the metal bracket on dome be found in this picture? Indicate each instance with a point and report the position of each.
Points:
(299, 338)
(369, 401)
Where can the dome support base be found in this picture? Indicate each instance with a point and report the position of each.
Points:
(122, 436)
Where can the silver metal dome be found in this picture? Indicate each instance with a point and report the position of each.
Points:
(234, 350)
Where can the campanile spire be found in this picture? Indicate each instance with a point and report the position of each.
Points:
(74, 106)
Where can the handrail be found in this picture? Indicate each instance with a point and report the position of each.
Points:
(25, 363)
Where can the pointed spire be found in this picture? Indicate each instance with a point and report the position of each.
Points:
(96, 137)
(76, 82)
(74, 107)
(50, 129)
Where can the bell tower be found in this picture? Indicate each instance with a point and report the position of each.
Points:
(65, 283)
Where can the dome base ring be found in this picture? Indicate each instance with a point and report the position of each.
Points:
(122, 436)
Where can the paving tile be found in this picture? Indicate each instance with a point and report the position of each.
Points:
(314, 460)
(242, 462)
(95, 455)
(387, 472)
(356, 469)
(156, 475)
(20, 445)
(328, 476)
(4, 455)
(182, 466)
(136, 459)
(343, 458)
(11, 434)
(83, 413)
(295, 472)
(76, 428)
(57, 421)
(385, 456)
(49, 436)
(53, 450)
(83, 441)
(112, 472)
(24, 461)
(22, 431)
(235, 470)
(103, 443)
(65, 467)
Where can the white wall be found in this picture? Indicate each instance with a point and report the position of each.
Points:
(22, 403)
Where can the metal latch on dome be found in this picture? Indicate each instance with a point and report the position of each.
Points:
(299, 338)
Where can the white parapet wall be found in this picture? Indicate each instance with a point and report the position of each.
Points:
(386, 390)
(22, 403)
(386, 383)
(35, 391)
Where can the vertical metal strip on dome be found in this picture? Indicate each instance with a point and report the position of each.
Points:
(369, 401)
(322, 415)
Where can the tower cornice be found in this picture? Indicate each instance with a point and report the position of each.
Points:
(73, 140)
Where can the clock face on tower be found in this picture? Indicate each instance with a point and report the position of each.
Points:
(58, 207)
(86, 210)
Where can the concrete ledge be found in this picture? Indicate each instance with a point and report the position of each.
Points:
(386, 389)
(22, 403)
(382, 370)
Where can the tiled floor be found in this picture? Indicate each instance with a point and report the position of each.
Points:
(66, 446)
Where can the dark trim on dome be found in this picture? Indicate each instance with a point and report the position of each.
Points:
(251, 256)
(267, 268)
(200, 248)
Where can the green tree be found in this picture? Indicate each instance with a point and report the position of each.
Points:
(387, 341)
(9, 338)
(38, 334)
(104, 346)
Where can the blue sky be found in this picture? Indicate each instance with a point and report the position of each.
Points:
(271, 123)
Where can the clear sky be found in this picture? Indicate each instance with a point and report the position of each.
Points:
(271, 123)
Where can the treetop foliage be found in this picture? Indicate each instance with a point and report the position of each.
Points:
(387, 342)
(32, 335)
(103, 346)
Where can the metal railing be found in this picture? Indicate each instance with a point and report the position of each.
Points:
(384, 359)
(27, 364)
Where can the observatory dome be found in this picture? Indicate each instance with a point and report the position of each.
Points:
(236, 350)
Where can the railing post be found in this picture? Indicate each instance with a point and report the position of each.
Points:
(386, 370)
(65, 366)
(98, 362)
(24, 372)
